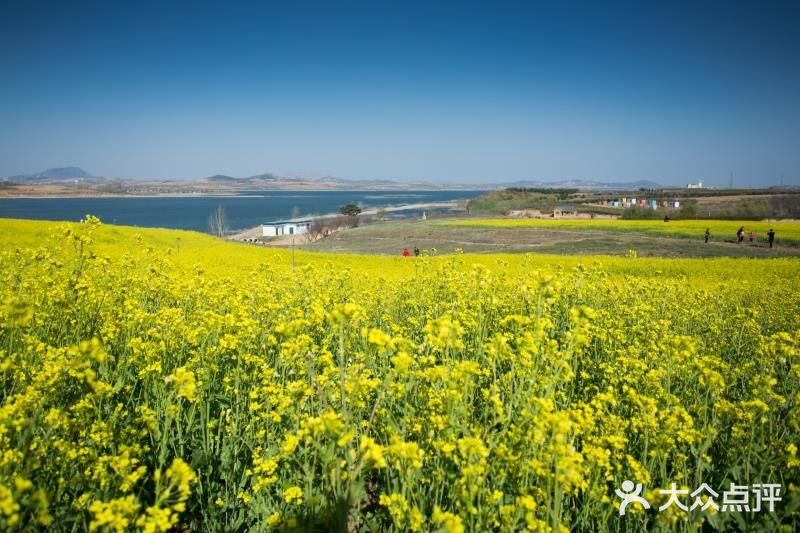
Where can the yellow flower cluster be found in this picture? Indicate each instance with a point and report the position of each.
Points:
(164, 380)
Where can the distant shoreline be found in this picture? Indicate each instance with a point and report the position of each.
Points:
(62, 196)
(371, 211)
(116, 195)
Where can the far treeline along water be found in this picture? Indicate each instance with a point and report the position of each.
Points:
(245, 210)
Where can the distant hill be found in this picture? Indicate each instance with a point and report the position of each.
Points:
(54, 175)
(269, 180)
(641, 184)
(586, 184)
(269, 176)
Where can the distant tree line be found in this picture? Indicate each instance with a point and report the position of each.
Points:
(696, 193)
(322, 227)
(642, 213)
(747, 208)
(562, 194)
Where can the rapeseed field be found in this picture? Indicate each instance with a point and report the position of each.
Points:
(786, 231)
(156, 380)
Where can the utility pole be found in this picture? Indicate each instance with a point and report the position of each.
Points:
(730, 184)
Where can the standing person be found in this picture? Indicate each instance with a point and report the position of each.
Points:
(708, 234)
(771, 236)
(405, 252)
(416, 251)
(752, 236)
(740, 234)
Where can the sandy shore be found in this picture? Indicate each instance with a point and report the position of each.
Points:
(255, 233)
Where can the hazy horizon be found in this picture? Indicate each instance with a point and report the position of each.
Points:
(471, 93)
(300, 175)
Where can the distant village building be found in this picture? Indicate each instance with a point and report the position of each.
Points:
(285, 227)
(625, 202)
(698, 185)
(565, 211)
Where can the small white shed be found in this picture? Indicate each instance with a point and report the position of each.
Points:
(285, 227)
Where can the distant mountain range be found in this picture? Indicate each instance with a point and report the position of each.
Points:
(586, 184)
(54, 175)
(270, 180)
(329, 180)
(266, 181)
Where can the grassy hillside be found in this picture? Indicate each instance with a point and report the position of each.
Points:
(508, 199)
(560, 237)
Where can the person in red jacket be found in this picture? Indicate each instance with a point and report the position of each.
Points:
(405, 252)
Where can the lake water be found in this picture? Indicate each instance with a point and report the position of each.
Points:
(245, 210)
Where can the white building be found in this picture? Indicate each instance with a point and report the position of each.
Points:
(285, 227)
(698, 185)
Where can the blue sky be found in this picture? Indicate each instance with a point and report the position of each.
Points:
(448, 92)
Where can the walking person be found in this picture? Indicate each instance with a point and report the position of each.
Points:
(740, 234)
(771, 236)
(708, 234)
(752, 237)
